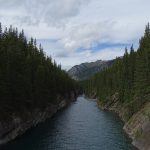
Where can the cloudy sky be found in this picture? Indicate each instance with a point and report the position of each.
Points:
(76, 31)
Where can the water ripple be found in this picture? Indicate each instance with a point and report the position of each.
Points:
(81, 126)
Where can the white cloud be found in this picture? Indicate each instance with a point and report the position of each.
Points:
(76, 24)
(89, 56)
(41, 11)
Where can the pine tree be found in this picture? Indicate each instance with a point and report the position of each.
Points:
(129, 77)
(0, 31)
(29, 79)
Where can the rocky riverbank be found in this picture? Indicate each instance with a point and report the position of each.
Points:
(137, 126)
(17, 126)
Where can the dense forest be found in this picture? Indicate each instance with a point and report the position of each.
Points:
(28, 78)
(129, 77)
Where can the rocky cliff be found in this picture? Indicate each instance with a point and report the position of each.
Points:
(18, 125)
(137, 126)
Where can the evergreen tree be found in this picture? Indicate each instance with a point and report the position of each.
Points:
(29, 79)
(129, 77)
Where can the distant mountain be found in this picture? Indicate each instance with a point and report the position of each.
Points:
(86, 70)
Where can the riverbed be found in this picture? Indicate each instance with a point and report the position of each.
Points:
(80, 126)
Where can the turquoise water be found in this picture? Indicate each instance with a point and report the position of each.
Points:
(80, 126)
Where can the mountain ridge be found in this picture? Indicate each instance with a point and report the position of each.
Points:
(85, 70)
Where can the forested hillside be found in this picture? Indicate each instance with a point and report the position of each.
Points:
(28, 78)
(129, 78)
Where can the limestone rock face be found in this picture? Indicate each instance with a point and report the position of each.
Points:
(137, 127)
(18, 125)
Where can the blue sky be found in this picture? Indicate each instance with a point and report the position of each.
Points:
(77, 31)
(101, 46)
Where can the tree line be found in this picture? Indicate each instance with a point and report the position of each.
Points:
(129, 77)
(28, 78)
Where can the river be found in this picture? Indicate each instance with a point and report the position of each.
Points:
(80, 126)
